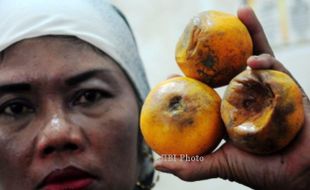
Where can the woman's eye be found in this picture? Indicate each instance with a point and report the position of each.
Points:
(16, 109)
(89, 97)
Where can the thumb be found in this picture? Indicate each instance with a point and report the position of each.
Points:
(260, 42)
(209, 166)
(306, 102)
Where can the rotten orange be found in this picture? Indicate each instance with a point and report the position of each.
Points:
(213, 48)
(262, 110)
(182, 116)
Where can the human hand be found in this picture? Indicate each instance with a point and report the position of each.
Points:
(287, 169)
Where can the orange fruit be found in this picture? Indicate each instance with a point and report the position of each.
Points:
(213, 48)
(182, 116)
(262, 110)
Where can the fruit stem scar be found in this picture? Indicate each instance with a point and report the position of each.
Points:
(175, 103)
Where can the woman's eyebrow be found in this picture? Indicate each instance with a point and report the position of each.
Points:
(84, 76)
(15, 87)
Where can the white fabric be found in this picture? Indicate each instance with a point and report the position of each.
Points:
(94, 21)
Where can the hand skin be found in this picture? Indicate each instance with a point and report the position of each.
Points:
(287, 169)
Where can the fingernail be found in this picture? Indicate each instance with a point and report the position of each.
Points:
(162, 169)
(158, 166)
(243, 6)
(158, 163)
(253, 57)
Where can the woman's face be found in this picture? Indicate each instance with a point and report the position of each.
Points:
(68, 118)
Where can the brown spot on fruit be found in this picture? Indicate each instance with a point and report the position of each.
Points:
(256, 95)
(209, 61)
(186, 122)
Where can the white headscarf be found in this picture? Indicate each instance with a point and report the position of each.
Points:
(94, 21)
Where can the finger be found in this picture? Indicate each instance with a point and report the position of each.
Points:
(266, 61)
(173, 76)
(306, 102)
(260, 42)
(212, 166)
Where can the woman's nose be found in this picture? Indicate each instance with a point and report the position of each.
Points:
(58, 137)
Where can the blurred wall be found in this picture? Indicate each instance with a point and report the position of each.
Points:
(157, 25)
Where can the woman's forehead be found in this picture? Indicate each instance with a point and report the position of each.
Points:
(61, 45)
(52, 57)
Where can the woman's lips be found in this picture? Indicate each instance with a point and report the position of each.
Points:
(67, 178)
